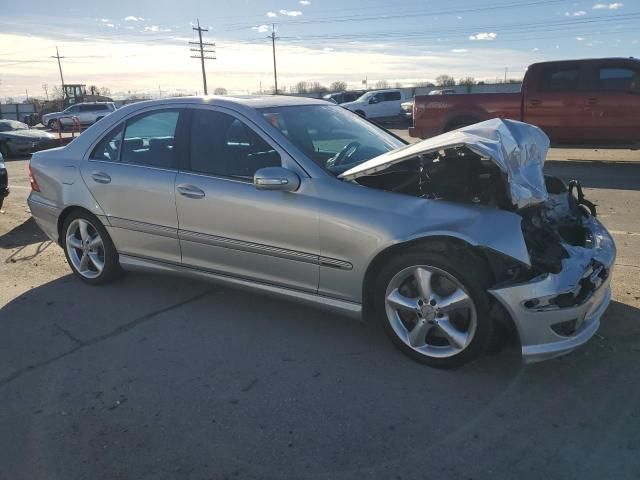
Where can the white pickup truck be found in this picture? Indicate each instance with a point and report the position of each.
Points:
(378, 103)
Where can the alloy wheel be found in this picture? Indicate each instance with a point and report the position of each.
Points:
(85, 248)
(430, 311)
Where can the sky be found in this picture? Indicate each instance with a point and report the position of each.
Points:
(142, 47)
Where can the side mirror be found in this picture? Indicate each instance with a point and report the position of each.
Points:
(373, 100)
(276, 178)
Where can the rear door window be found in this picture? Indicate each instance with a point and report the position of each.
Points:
(560, 79)
(150, 139)
(391, 96)
(108, 149)
(615, 79)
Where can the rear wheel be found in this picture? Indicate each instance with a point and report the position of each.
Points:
(434, 306)
(4, 151)
(53, 125)
(89, 249)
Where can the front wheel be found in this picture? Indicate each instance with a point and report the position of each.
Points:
(434, 306)
(53, 125)
(89, 249)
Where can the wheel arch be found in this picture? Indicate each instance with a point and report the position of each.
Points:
(492, 260)
(64, 214)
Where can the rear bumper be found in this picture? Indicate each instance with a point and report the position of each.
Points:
(548, 331)
(46, 217)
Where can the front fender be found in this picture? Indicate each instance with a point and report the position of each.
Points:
(485, 227)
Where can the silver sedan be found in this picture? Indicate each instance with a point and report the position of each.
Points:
(453, 244)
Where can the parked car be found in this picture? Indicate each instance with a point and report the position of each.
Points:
(444, 91)
(406, 110)
(4, 181)
(574, 101)
(16, 138)
(378, 104)
(87, 113)
(444, 242)
(343, 97)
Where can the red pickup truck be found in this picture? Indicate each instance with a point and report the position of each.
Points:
(595, 101)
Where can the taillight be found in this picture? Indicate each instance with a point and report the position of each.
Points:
(34, 184)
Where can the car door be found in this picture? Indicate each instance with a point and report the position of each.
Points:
(612, 113)
(376, 106)
(66, 117)
(87, 114)
(226, 224)
(131, 174)
(390, 105)
(556, 101)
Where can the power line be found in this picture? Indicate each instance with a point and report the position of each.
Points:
(202, 52)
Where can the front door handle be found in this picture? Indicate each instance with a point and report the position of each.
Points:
(101, 177)
(190, 191)
(535, 103)
(592, 101)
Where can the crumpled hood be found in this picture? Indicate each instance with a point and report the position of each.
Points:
(517, 148)
(29, 134)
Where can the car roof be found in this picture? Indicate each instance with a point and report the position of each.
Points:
(251, 101)
(587, 60)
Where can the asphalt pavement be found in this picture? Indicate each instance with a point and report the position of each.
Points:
(159, 377)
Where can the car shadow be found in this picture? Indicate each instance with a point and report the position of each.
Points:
(149, 355)
(597, 173)
(27, 233)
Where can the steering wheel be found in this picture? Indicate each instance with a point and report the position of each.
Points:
(345, 153)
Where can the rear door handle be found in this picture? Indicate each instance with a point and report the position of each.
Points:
(100, 177)
(592, 101)
(190, 191)
(535, 103)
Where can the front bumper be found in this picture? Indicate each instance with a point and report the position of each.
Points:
(539, 327)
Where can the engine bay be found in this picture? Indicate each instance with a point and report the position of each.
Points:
(549, 228)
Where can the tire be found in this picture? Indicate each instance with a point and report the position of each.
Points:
(4, 151)
(361, 113)
(442, 340)
(101, 252)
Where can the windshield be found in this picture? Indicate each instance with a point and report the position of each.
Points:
(12, 125)
(364, 97)
(334, 138)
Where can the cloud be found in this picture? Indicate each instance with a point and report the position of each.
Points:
(110, 25)
(535, 49)
(459, 50)
(327, 49)
(579, 13)
(484, 36)
(580, 39)
(132, 18)
(105, 20)
(272, 14)
(304, 2)
(608, 6)
(291, 13)
(459, 17)
(261, 28)
(156, 28)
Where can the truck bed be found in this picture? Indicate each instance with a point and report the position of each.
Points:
(435, 114)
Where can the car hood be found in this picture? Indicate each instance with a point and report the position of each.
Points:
(34, 134)
(517, 148)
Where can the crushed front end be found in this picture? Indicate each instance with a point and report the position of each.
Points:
(572, 256)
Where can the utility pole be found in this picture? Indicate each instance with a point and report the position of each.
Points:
(505, 74)
(60, 68)
(202, 51)
(273, 45)
(46, 93)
